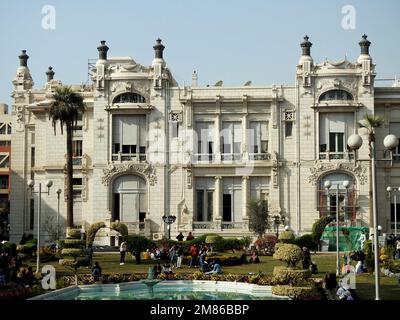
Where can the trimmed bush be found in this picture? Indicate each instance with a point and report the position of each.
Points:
(73, 252)
(24, 249)
(290, 276)
(289, 253)
(11, 248)
(319, 226)
(138, 243)
(286, 236)
(67, 262)
(295, 292)
(121, 228)
(91, 232)
(369, 256)
(306, 240)
(73, 233)
(74, 243)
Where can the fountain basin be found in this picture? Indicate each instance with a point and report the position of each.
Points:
(165, 290)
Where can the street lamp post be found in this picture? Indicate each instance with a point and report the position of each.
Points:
(58, 213)
(31, 184)
(389, 190)
(278, 221)
(169, 220)
(328, 185)
(390, 142)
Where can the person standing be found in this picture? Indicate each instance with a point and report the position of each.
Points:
(194, 252)
(189, 237)
(397, 249)
(180, 237)
(179, 253)
(122, 250)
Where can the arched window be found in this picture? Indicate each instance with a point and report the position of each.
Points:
(338, 197)
(130, 198)
(129, 97)
(335, 95)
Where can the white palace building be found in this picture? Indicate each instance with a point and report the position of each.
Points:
(147, 147)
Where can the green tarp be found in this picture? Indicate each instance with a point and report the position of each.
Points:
(350, 238)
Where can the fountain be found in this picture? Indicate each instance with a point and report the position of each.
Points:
(150, 282)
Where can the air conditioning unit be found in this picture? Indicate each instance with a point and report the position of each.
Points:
(158, 236)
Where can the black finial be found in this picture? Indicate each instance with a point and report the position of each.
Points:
(306, 46)
(364, 44)
(158, 49)
(23, 59)
(50, 74)
(102, 50)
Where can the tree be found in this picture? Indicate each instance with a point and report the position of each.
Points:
(370, 122)
(65, 109)
(258, 216)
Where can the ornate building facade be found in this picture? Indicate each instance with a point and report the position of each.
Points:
(147, 147)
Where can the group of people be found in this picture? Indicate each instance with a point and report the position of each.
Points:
(12, 271)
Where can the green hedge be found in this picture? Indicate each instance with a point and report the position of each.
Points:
(289, 253)
(306, 240)
(319, 226)
(121, 228)
(73, 252)
(138, 243)
(290, 276)
(74, 243)
(286, 236)
(295, 292)
(91, 232)
(73, 233)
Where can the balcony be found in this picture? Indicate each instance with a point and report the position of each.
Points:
(336, 156)
(121, 157)
(233, 225)
(231, 156)
(77, 161)
(203, 157)
(215, 225)
(259, 156)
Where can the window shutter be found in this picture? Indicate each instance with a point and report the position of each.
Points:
(130, 130)
(116, 130)
(237, 205)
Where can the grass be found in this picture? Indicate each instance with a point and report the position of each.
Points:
(365, 286)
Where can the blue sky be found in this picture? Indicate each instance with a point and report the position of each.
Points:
(233, 40)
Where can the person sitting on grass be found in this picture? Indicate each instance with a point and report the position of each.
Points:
(167, 268)
(146, 255)
(254, 258)
(216, 268)
(96, 271)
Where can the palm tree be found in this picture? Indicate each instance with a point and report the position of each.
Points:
(65, 109)
(370, 122)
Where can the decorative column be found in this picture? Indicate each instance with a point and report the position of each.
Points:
(217, 132)
(245, 196)
(218, 203)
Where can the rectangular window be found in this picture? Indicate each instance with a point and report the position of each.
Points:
(259, 187)
(227, 207)
(77, 181)
(3, 128)
(32, 157)
(129, 136)
(200, 204)
(116, 207)
(3, 182)
(31, 213)
(77, 148)
(232, 191)
(334, 129)
(394, 128)
(231, 140)
(174, 128)
(205, 140)
(8, 129)
(392, 217)
(204, 199)
(288, 128)
(258, 137)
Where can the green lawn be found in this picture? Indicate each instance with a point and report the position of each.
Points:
(326, 263)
